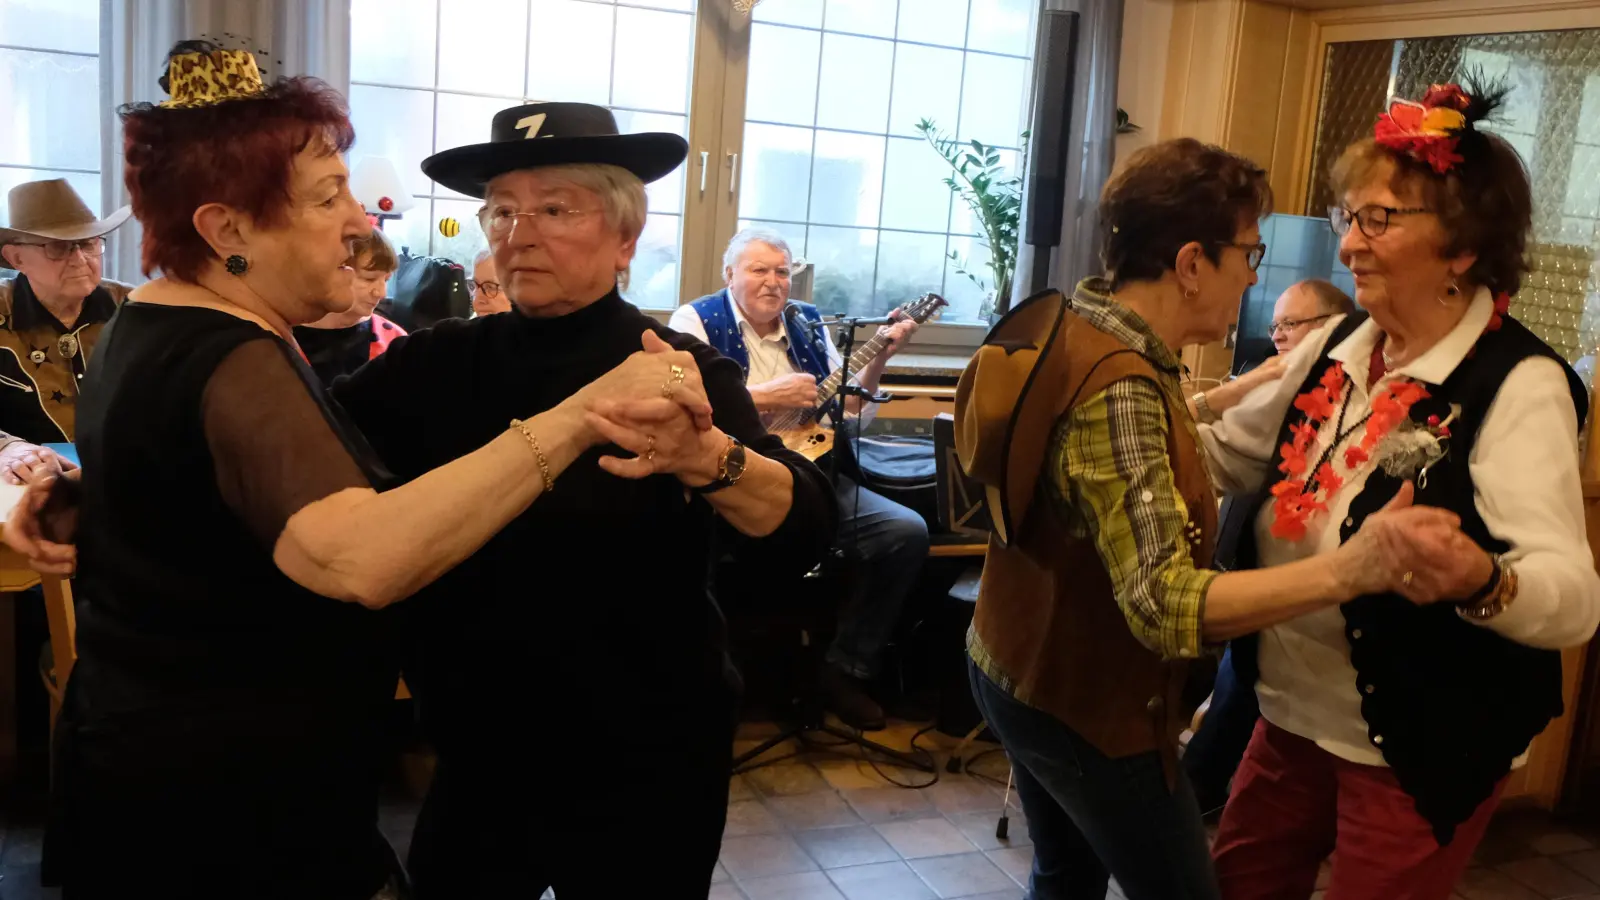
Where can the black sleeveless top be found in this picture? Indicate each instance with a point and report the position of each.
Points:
(217, 706)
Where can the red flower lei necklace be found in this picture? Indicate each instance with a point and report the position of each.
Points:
(1297, 497)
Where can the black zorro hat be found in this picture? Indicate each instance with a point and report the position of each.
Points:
(553, 134)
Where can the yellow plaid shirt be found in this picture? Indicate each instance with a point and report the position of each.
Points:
(1111, 481)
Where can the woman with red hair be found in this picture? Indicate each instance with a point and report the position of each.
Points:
(225, 714)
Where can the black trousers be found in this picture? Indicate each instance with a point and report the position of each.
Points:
(583, 812)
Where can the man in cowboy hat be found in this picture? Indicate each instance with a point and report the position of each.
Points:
(51, 313)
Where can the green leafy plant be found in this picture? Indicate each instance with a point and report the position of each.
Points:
(1124, 124)
(993, 195)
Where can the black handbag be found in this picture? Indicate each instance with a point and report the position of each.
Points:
(427, 289)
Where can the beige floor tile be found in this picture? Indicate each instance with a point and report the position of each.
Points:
(855, 774)
(747, 817)
(1558, 843)
(962, 875)
(979, 827)
(881, 881)
(718, 873)
(836, 848)
(1485, 884)
(739, 789)
(786, 779)
(1548, 877)
(889, 804)
(824, 809)
(925, 837)
(799, 886)
(963, 793)
(725, 891)
(758, 856)
(1014, 861)
(1586, 863)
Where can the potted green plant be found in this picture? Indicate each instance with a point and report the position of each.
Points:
(995, 198)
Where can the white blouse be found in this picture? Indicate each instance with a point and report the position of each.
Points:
(1524, 467)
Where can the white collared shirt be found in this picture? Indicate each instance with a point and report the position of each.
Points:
(1524, 467)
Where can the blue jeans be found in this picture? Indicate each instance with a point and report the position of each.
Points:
(890, 542)
(1216, 749)
(1091, 817)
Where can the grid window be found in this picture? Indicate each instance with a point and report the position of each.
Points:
(50, 90)
(832, 158)
(429, 75)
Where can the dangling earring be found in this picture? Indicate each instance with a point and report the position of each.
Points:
(1191, 293)
(237, 265)
(1453, 290)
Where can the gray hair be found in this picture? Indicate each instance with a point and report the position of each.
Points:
(748, 236)
(621, 193)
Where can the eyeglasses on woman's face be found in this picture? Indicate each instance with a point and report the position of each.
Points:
(1372, 219)
(1254, 253)
(490, 289)
(552, 219)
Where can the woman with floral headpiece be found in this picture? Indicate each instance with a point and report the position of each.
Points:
(1389, 724)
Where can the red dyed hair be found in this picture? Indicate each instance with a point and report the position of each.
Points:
(239, 153)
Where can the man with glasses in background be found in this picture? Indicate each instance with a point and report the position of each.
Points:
(52, 311)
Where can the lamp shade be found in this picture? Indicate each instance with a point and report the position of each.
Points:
(376, 184)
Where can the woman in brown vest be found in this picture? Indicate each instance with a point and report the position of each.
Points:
(1095, 598)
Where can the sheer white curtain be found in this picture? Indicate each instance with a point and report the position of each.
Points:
(303, 37)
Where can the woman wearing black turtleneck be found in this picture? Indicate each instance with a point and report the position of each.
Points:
(573, 670)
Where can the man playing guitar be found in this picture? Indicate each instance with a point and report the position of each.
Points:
(751, 323)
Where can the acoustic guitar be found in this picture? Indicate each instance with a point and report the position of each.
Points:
(801, 429)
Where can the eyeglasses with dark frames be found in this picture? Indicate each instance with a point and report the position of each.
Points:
(1372, 219)
(56, 251)
(1291, 324)
(1254, 253)
(488, 288)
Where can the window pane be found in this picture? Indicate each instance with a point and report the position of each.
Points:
(962, 219)
(464, 120)
(394, 123)
(53, 113)
(792, 12)
(666, 195)
(1002, 26)
(782, 86)
(914, 194)
(392, 41)
(874, 17)
(848, 183)
(679, 5)
(909, 265)
(87, 186)
(927, 85)
(414, 229)
(992, 99)
(483, 46)
(653, 277)
(854, 88)
(465, 246)
(571, 59)
(776, 172)
(934, 21)
(965, 297)
(844, 259)
(652, 60)
(72, 25)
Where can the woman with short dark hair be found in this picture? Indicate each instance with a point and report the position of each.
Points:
(1388, 727)
(341, 342)
(1096, 597)
(224, 721)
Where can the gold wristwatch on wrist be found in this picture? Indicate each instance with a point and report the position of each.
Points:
(730, 468)
(1202, 409)
(1495, 596)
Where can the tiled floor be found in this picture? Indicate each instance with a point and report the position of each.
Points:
(820, 827)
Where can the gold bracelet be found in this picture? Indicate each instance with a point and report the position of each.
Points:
(544, 465)
(1496, 603)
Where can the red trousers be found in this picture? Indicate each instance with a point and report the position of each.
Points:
(1294, 803)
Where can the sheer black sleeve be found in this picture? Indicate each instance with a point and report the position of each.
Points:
(273, 447)
(808, 531)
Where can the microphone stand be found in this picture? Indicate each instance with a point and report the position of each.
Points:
(814, 720)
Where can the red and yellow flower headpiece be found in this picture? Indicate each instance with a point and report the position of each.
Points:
(1429, 131)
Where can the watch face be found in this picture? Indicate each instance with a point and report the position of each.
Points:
(735, 463)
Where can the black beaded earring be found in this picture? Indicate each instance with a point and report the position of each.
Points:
(237, 265)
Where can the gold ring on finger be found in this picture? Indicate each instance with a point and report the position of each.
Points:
(650, 448)
(671, 384)
(1406, 579)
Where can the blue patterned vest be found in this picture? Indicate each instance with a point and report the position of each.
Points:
(808, 352)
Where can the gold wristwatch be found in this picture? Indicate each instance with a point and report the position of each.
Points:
(730, 468)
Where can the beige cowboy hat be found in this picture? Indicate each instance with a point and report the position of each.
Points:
(52, 211)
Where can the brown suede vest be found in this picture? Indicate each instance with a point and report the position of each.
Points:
(1047, 624)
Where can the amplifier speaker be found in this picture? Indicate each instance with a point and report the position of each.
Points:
(962, 509)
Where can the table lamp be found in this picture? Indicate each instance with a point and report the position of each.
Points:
(376, 184)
